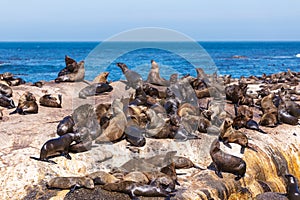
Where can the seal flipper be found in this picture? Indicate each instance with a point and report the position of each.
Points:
(66, 155)
(249, 146)
(60, 100)
(43, 160)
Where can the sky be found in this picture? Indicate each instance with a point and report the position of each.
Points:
(202, 20)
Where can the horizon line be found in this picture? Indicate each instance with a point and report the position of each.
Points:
(147, 41)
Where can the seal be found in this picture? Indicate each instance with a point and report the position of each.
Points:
(285, 117)
(154, 76)
(65, 126)
(117, 124)
(136, 176)
(70, 183)
(134, 189)
(134, 80)
(102, 178)
(73, 71)
(229, 135)
(224, 162)
(103, 116)
(5, 90)
(95, 89)
(184, 163)
(58, 146)
(101, 78)
(27, 104)
(50, 101)
(6, 102)
(134, 135)
(293, 192)
(84, 145)
(271, 195)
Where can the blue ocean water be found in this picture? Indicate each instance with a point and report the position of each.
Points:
(35, 61)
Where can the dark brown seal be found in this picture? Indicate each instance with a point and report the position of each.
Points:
(5, 90)
(72, 72)
(58, 146)
(154, 76)
(224, 162)
(50, 101)
(135, 136)
(293, 192)
(95, 89)
(70, 183)
(6, 102)
(65, 126)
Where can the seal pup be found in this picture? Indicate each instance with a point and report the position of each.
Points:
(117, 124)
(27, 104)
(6, 102)
(50, 101)
(134, 80)
(73, 71)
(65, 126)
(224, 162)
(95, 89)
(58, 146)
(71, 183)
(154, 76)
(293, 192)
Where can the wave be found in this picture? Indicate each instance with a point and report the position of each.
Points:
(298, 55)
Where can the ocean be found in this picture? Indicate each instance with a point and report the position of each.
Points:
(34, 61)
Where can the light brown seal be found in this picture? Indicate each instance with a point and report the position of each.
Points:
(154, 76)
(102, 178)
(70, 183)
(49, 101)
(27, 104)
(117, 124)
(101, 78)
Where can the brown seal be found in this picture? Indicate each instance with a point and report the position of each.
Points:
(134, 189)
(224, 162)
(101, 78)
(72, 72)
(229, 135)
(136, 176)
(103, 116)
(184, 163)
(70, 183)
(65, 126)
(27, 104)
(117, 124)
(293, 192)
(58, 146)
(102, 178)
(154, 76)
(50, 101)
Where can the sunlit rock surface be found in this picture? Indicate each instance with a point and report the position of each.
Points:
(23, 136)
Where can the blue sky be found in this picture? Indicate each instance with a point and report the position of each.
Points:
(95, 20)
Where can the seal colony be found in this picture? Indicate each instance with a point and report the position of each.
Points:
(161, 109)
